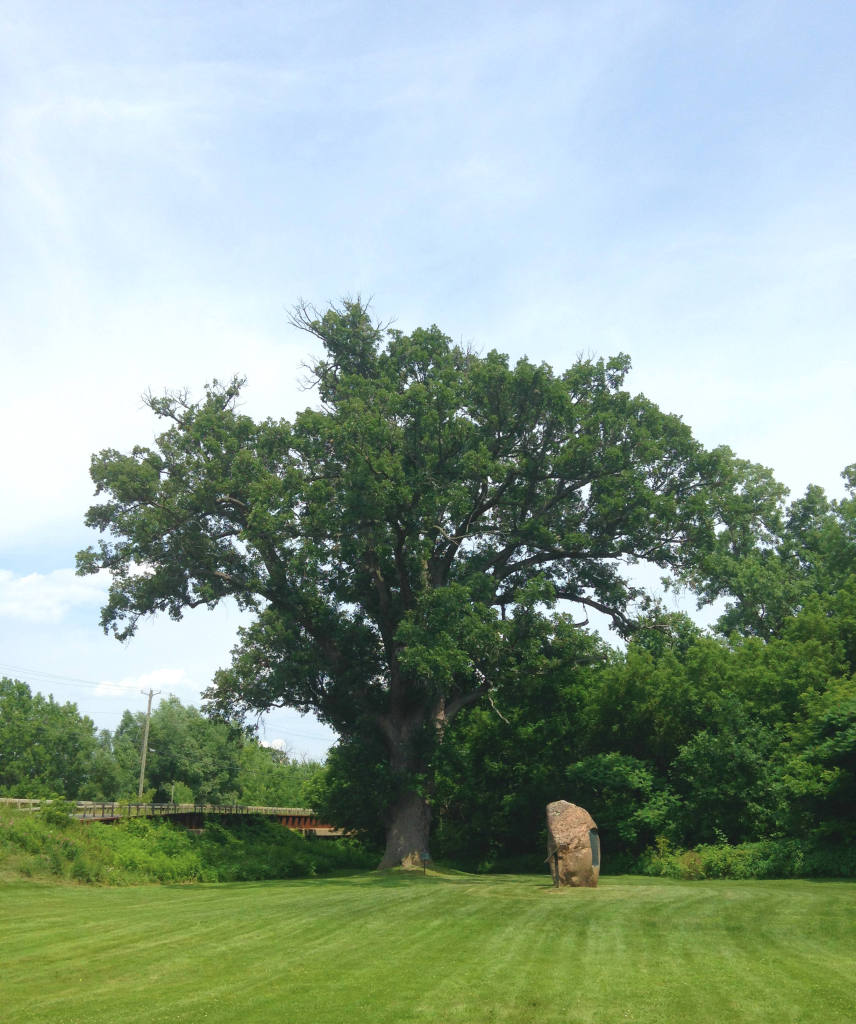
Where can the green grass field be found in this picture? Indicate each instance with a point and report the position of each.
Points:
(445, 948)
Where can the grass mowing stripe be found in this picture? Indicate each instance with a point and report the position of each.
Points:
(445, 949)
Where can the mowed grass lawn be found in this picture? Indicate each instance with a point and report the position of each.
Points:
(443, 948)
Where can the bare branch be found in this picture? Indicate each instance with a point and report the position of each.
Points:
(230, 499)
(496, 709)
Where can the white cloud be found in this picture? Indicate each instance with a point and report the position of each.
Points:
(277, 744)
(49, 597)
(165, 680)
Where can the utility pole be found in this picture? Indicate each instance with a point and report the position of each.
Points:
(150, 694)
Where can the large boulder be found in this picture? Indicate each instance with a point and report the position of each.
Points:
(573, 845)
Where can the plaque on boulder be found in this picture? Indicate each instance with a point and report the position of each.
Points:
(573, 845)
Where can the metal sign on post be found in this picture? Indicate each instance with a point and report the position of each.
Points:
(425, 856)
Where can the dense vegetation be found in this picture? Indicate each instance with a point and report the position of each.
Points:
(744, 735)
(687, 740)
(742, 746)
(49, 749)
(51, 844)
(694, 738)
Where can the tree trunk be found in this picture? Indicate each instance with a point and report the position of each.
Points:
(408, 824)
(407, 832)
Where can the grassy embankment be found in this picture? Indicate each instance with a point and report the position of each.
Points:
(50, 845)
(401, 948)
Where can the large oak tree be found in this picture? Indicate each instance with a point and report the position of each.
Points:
(390, 542)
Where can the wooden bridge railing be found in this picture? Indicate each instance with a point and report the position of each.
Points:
(303, 818)
(132, 809)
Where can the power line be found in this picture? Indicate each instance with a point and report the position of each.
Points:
(39, 677)
(49, 675)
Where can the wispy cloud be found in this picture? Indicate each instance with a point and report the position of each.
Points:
(166, 680)
(48, 597)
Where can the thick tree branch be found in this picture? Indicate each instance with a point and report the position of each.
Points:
(464, 700)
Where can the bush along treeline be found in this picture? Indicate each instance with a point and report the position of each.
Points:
(49, 749)
(52, 844)
(701, 753)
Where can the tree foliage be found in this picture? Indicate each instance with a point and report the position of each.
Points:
(807, 551)
(270, 778)
(683, 738)
(391, 542)
(46, 748)
(692, 738)
(49, 749)
(184, 748)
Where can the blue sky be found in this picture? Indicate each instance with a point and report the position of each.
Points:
(673, 180)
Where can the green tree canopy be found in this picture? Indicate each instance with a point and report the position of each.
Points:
(184, 747)
(271, 778)
(393, 542)
(46, 748)
(770, 575)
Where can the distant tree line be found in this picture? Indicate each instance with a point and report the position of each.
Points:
(50, 749)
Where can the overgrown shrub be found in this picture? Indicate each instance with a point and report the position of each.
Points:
(768, 858)
(258, 848)
(57, 812)
(144, 850)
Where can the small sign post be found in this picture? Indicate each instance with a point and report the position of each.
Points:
(425, 856)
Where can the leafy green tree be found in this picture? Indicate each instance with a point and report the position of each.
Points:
(185, 748)
(126, 743)
(818, 770)
(202, 753)
(633, 806)
(270, 778)
(723, 780)
(46, 748)
(820, 778)
(507, 758)
(106, 779)
(356, 787)
(808, 550)
(684, 735)
(391, 541)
